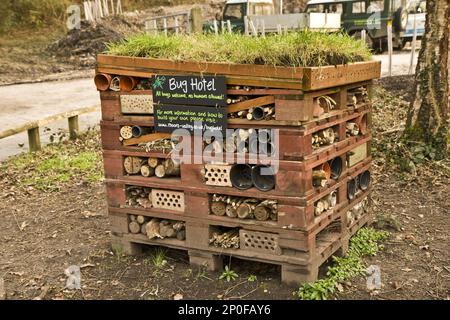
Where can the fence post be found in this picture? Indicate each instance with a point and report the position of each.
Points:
(165, 26)
(74, 127)
(389, 34)
(196, 20)
(229, 26)
(177, 25)
(246, 26)
(34, 140)
(363, 35)
(413, 47)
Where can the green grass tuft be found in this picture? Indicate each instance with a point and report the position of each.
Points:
(363, 243)
(296, 49)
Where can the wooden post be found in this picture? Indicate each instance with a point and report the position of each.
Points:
(363, 35)
(196, 20)
(413, 47)
(155, 27)
(389, 33)
(177, 25)
(34, 140)
(246, 26)
(216, 28)
(229, 26)
(165, 26)
(74, 127)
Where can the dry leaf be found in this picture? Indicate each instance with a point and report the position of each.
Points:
(339, 287)
(178, 296)
(23, 226)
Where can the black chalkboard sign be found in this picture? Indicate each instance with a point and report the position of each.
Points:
(171, 117)
(189, 90)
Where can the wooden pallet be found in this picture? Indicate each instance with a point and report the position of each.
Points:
(307, 78)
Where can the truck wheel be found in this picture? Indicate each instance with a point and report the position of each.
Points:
(400, 19)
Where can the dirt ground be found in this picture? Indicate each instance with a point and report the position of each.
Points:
(54, 54)
(43, 233)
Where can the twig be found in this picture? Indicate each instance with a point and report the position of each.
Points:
(245, 295)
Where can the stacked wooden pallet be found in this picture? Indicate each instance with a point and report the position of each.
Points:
(297, 218)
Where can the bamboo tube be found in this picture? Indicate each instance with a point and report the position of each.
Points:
(244, 211)
(218, 208)
(132, 165)
(261, 213)
(126, 132)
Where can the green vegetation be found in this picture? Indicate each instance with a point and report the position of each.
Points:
(252, 278)
(228, 274)
(57, 165)
(293, 49)
(31, 14)
(363, 243)
(159, 258)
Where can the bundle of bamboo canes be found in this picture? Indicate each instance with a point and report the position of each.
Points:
(228, 239)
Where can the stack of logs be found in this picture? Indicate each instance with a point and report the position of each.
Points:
(227, 239)
(357, 211)
(352, 129)
(244, 208)
(151, 167)
(138, 196)
(357, 96)
(324, 137)
(156, 228)
(326, 203)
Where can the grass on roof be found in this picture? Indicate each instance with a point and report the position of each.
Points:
(296, 49)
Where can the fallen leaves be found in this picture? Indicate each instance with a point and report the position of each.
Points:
(178, 296)
(2, 289)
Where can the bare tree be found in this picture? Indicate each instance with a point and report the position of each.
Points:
(428, 117)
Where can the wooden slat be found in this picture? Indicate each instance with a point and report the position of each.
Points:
(262, 92)
(202, 67)
(330, 76)
(247, 104)
(146, 138)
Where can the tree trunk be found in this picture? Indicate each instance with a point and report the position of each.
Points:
(428, 117)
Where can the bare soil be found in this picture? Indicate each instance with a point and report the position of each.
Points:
(54, 54)
(45, 232)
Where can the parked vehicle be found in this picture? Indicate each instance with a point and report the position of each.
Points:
(261, 15)
(374, 16)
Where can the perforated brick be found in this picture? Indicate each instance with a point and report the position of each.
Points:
(217, 175)
(170, 200)
(259, 241)
(136, 103)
